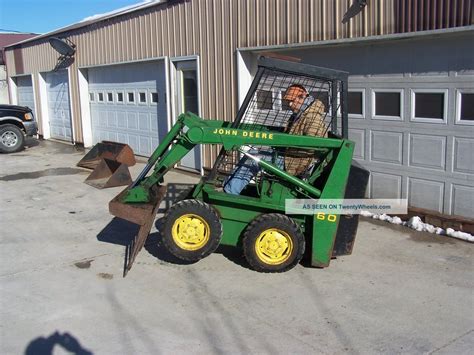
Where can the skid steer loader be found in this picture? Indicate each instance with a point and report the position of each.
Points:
(255, 220)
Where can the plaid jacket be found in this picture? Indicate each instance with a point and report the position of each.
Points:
(310, 123)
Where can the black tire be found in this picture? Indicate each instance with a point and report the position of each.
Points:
(203, 233)
(273, 243)
(11, 138)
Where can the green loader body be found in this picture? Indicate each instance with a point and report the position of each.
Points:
(255, 220)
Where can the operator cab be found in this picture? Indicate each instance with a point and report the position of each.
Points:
(267, 109)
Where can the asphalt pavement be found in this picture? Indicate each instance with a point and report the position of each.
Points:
(61, 284)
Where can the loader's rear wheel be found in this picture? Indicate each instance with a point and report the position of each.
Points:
(191, 230)
(273, 243)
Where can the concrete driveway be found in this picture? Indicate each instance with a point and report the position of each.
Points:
(61, 284)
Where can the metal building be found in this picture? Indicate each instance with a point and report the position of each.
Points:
(411, 85)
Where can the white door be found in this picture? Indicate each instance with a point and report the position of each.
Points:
(128, 104)
(186, 97)
(58, 105)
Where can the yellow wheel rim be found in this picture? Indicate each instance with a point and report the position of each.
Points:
(190, 232)
(273, 246)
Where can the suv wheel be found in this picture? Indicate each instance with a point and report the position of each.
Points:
(11, 139)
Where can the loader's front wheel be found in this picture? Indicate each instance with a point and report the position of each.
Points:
(191, 230)
(273, 243)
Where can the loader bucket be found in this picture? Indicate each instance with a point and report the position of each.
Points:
(142, 214)
(119, 152)
(109, 173)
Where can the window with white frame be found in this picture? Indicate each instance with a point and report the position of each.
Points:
(91, 97)
(100, 97)
(465, 106)
(131, 97)
(265, 100)
(429, 105)
(154, 97)
(355, 103)
(142, 97)
(119, 97)
(284, 103)
(110, 97)
(387, 104)
(322, 96)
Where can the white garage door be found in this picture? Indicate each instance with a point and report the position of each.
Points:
(25, 92)
(58, 105)
(128, 104)
(411, 117)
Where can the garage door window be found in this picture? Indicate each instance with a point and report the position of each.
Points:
(355, 103)
(387, 104)
(322, 96)
(465, 107)
(142, 98)
(154, 97)
(264, 100)
(429, 105)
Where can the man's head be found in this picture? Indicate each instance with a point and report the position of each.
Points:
(294, 97)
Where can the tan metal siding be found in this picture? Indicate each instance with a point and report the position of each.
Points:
(213, 29)
(419, 15)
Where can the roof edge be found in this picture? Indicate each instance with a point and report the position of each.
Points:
(81, 24)
(368, 39)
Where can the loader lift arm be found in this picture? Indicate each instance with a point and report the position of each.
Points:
(218, 132)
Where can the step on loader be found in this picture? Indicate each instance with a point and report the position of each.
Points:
(264, 137)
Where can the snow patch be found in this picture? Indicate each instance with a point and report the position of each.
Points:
(460, 235)
(417, 224)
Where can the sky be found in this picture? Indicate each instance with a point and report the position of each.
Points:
(41, 16)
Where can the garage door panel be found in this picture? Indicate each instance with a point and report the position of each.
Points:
(145, 145)
(463, 155)
(427, 151)
(385, 185)
(132, 120)
(122, 138)
(143, 122)
(154, 123)
(25, 92)
(358, 136)
(121, 120)
(111, 119)
(386, 147)
(463, 200)
(133, 141)
(425, 193)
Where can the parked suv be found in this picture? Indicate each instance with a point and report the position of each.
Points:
(16, 122)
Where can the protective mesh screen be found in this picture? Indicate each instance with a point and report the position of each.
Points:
(267, 106)
(268, 110)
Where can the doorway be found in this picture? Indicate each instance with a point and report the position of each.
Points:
(186, 99)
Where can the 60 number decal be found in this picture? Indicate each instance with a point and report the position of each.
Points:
(328, 217)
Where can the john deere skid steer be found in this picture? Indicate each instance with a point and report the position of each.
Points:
(255, 219)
